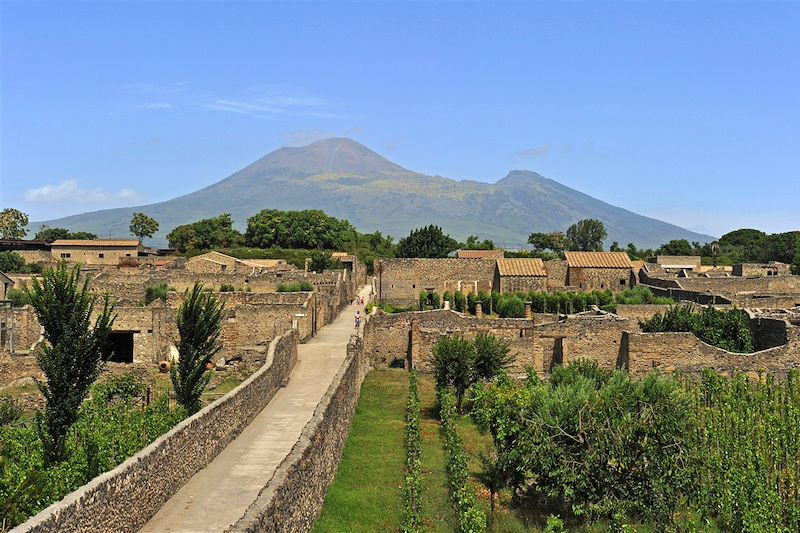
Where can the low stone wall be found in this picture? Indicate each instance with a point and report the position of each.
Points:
(125, 498)
(637, 313)
(293, 497)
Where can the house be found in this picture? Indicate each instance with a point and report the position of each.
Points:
(679, 262)
(520, 275)
(479, 254)
(219, 263)
(7, 283)
(761, 270)
(597, 271)
(96, 252)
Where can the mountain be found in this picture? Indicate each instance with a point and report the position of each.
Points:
(348, 180)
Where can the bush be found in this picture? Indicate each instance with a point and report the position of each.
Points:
(19, 298)
(511, 307)
(423, 300)
(298, 286)
(728, 330)
(453, 361)
(10, 412)
(126, 387)
(437, 303)
(413, 443)
(13, 262)
(460, 301)
(226, 287)
(155, 292)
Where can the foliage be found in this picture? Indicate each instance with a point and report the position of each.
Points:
(587, 235)
(728, 330)
(155, 292)
(307, 229)
(297, 286)
(105, 434)
(72, 358)
(459, 301)
(676, 247)
(510, 306)
(143, 226)
(12, 223)
(492, 356)
(320, 261)
(391, 309)
(125, 387)
(474, 244)
(12, 262)
(470, 518)
(413, 442)
(49, 234)
(205, 234)
(10, 412)
(555, 241)
(428, 241)
(422, 300)
(596, 440)
(226, 287)
(199, 326)
(458, 363)
(640, 295)
(18, 297)
(369, 308)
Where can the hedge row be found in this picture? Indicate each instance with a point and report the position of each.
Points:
(470, 518)
(411, 485)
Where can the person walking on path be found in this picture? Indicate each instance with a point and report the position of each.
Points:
(358, 319)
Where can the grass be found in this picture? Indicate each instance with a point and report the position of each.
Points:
(366, 494)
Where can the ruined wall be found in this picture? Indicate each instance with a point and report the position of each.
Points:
(401, 280)
(556, 273)
(292, 499)
(636, 313)
(387, 337)
(19, 330)
(599, 279)
(125, 498)
(759, 270)
(94, 255)
(768, 332)
(520, 283)
(732, 285)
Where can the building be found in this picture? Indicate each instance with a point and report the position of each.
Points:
(219, 263)
(597, 271)
(480, 254)
(399, 281)
(761, 270)
(96, 252)
(520, 275)
(679, 262)
(6, 283)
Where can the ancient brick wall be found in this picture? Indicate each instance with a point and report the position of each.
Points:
(125, 498)
(599, 279)
(387, 338)
(399, 281)
(637, 313)
(761, 270)
(19, 329)
(556, 273)
(94, 255)
(520, 283)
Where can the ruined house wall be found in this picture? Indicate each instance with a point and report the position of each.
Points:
(759, 270)
(20, 329)
(636, 313)
(556, 273)
(95, 255)
(401, 280)
(520, 283)
(387, 337)
(599, 279)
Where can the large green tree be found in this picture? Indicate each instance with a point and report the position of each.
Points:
(587, 235)
(143, 226)
(307, 229)
(72, 358)
(676, 247)
(12, 223)
(205, 234)
(428, 241)
(555, 241)
(199, 326)
(49, 234)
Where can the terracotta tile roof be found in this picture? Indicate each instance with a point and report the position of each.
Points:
(637, 265)
(598, 260)
(262, 263)
(479, 254)
(97, 242)
(521, 267)
(678, 261)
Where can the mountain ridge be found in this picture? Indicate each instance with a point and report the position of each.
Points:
(348, 180)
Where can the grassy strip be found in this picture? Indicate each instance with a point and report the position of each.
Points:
(365, 496)
(470, 518)
(411, 487)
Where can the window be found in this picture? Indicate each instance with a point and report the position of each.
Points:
(65, 256)
(101, 255)
(622, 282)
(602, 285)
(413, 286)
(127, 255)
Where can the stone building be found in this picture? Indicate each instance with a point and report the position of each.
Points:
(399, 281)
(597, 271)
(479, 254)
(96, 252)
(679, 262)
(5, 284)
(761, 270)
(219, 263)
(520, 275)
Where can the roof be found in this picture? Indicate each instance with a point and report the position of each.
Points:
(598, 260)
(521, 267)
(6, 280)
(262, 263)
(132, 243)
(637, 265)
(479, 254)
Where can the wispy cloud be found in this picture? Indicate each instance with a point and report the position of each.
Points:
(269, 103)
(156, 105)
(533, 153)
(70, 191)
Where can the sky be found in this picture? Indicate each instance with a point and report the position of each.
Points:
(687, 112)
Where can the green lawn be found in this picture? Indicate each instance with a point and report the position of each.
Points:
(366, 494)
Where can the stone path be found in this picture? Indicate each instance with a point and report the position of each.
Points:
(217, 496)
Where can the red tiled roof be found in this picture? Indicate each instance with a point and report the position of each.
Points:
(521, 267)
(598, 260)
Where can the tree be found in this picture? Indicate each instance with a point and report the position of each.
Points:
(428, 241)
(614, 247)
(492, 356)
(555, 241)
(676, 247)
(199, 326)
(474, 244)
(587, 235)
(307, 229)
(12, 223)
(453, 363)
(205, 234)
(319, 261)
(143, 226)
(49, 234)
(73, 356)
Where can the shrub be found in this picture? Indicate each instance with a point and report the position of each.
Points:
(491, 356)
(226, 287)
(413, 443)
(155, 292)
(10, 412)
(423, 300)
(511, 307)
(460, 302)
(124, 388)
(19, 297)
(453, 361)
(729, 330)
(437, 303)
(298, 286)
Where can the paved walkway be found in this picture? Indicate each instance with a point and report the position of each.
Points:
(217, 496)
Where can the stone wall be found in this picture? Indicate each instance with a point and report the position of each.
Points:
(292, 499)
(759, 270)
(20, 331)
(124, 499)
(637, 313)
(399, 281)
(599, 279)
(387, 338)
(556, 273)
(519, 283)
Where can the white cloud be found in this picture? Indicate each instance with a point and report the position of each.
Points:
(266, 103)
(70, 191)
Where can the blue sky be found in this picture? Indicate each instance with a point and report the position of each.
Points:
(688, 112)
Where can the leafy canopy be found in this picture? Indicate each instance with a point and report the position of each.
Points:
(307, 229)
(205, 234)
(12, 223)
(428, 241)
(587, 235)
(143, 226)
(49, 234)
